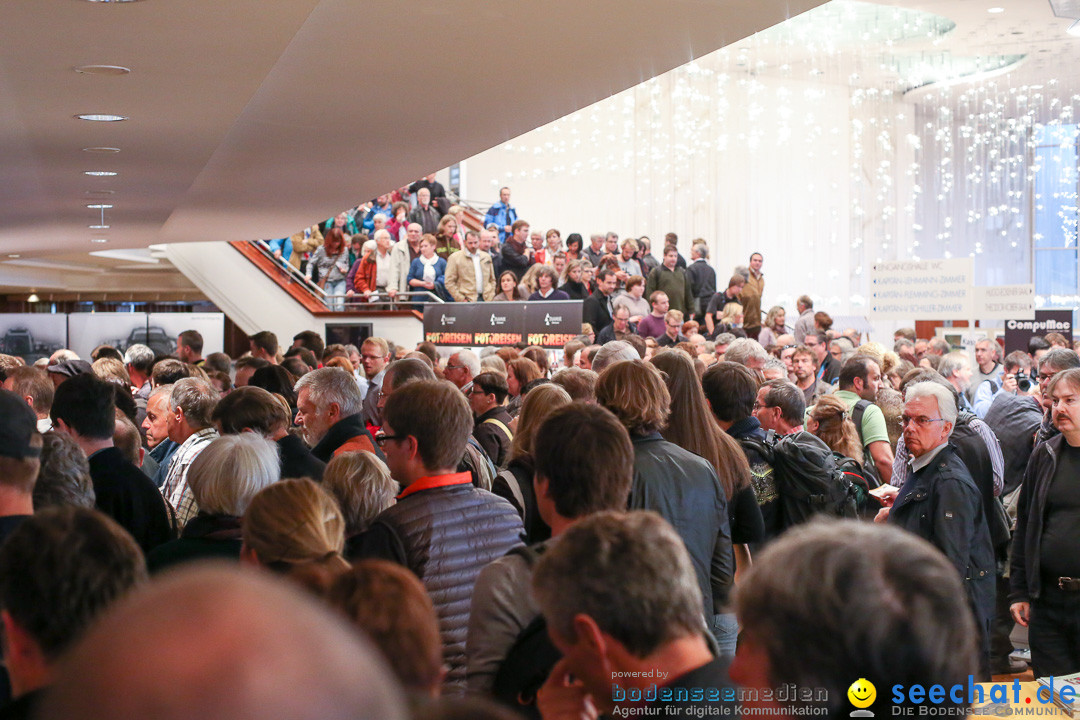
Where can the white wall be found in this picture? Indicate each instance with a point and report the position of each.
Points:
(747, 164)
(255, 302)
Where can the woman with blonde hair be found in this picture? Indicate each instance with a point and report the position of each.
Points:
(692, 426)
(363, 488)
(515, 482)
(112, 370)
(573, 283)
(774, 326)
(828, 419)
(447, 241)
(294, 527)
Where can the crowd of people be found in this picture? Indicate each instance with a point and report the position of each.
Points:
(666, 513)
(414, 244)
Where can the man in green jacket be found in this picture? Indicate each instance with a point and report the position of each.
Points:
(673, 281)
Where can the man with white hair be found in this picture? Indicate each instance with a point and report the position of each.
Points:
(191, 404)
(401, 256)
(942, 504)
(956, 368)
(462, 367)
(747, 352)
(612, 353)
(330, 412)
(424, 213)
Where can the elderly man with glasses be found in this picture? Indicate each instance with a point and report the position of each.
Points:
(941, 503)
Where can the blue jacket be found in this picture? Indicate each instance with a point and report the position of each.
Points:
(368, 223)
(502, 215)
(416, 272)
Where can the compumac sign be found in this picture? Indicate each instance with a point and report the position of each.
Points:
(546, 324)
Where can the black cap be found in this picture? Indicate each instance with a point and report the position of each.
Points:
(70, 368)
(18, 426)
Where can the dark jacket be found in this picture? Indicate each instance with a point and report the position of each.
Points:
(762, 478)
(595, 311)
(683, 488)
(346, 435)
(492, 437)
(1014, 419)
(576, 290)
(205, 536)
(514, 258)
(972, 451)
(297, 461)
(521, 469)
(702, 280)
(941, 504)
(126, 495)
(1025, 581)
(446, 535)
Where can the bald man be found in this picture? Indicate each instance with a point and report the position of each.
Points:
(234, 645)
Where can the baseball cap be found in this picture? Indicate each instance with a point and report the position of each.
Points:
(18, 426)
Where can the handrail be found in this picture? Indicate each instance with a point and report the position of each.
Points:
(294, 274)
(359, 301)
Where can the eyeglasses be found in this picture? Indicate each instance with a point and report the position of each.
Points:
(920, 421)
(477, 390)
(455, 367)
(381, 438)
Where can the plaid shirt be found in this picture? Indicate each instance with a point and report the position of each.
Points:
(175, 489)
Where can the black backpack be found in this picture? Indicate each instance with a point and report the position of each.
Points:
(529, 660)
(865, 503)
(807, 479)
(870, 469)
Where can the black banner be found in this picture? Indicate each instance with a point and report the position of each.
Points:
(546, 324)
(1018, 332)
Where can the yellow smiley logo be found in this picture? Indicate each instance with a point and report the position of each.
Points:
(862, 693)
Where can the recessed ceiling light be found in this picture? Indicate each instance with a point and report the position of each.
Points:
(99, 240)
(101, 150)
(995, 10)
(99, 117)
(102, 70)
(33, 298)
(100, 173)
(98, 227)
(14, 255)
(99, 207)
(1074, 29)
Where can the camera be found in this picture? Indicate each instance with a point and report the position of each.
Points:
(1023, 381)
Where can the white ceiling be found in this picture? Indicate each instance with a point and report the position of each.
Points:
(253, 118)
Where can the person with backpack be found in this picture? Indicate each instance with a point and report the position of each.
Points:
(860, 381)
(583, 465)
(731, 390)
(828, 421)
(487, 398)
(942, 504)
